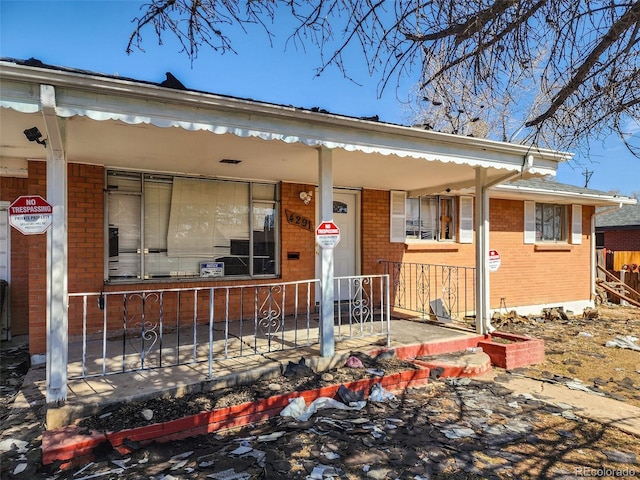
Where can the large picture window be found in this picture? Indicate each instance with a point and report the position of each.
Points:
(163, 226)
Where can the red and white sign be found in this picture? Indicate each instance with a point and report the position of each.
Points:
(327, 234)
(494, 260)
(30, 214)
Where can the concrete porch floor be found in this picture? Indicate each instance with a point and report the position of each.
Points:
(88, 396)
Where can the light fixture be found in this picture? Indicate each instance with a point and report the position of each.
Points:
(306, 197)
(34, 135)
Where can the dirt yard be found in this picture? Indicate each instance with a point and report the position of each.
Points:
(576, 348)
(448, 429)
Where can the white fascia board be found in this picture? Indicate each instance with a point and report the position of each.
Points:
(133, 102)
(512, 191)
(14, 167)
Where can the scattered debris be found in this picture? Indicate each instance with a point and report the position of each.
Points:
(354, 362)
(379, 394)
(299, 410)
(350, 396)
(297, 369)
(621, 457)
(624, 342)
(555, 313)
(590, 314)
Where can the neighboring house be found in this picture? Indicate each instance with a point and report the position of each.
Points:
(618, 230)
(167, 188)
(618, 238)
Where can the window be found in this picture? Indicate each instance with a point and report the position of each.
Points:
(548, 222)
(163, 226)
(431, 218)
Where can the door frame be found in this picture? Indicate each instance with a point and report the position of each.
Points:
(357, 193)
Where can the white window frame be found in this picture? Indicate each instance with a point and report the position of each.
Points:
(151, 258)
(461, 222)
(571, 232)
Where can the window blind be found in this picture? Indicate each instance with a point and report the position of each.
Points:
(205, 215)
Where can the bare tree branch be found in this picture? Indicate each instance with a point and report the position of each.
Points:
(555, 72)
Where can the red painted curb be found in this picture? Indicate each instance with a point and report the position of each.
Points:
(449, 371)
(408, 352)
(67, 443)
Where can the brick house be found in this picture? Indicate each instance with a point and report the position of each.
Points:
(156, 187)
(618, 230)
(618, 243)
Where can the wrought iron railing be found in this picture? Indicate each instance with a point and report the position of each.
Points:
(444, 293)
(362, 306)
(125, 331)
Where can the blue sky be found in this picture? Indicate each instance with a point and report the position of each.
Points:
(93, 35)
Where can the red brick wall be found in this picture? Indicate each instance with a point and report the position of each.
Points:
(86, 227)
(10, 189)
(622, 240)
(296, 237)
(527, 275)
(376, 225)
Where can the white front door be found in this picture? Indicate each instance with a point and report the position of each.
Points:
(346, 255)
(4, 270)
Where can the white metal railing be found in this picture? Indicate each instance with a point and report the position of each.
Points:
(130, 330)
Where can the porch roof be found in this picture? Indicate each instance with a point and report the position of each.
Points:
(130, 124)
(551, 191)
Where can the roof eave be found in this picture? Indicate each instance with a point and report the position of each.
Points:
(110, 85)
(507, 190)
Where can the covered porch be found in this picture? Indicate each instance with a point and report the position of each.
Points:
(116, 123)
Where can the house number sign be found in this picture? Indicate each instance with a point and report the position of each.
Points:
(298, 220)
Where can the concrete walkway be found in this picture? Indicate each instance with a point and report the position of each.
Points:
(604, 410)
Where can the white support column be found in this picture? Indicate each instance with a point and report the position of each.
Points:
(325, 199)
(57, 313)
(483, 289)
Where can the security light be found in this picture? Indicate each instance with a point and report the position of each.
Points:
(34, 135)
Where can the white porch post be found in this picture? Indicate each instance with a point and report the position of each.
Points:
(483, 289)
(57, 313)
(325, 194)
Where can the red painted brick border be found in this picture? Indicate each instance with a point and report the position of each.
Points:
(71, 447)
(455, 370)
(409, 352)
(521, 352)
